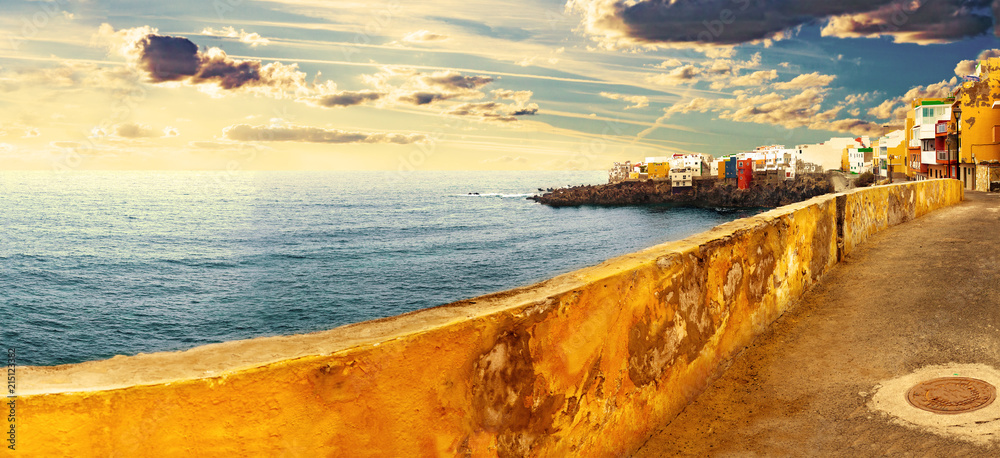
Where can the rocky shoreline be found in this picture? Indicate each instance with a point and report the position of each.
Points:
(705, 193)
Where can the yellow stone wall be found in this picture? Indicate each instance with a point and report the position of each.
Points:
(587, 364)
(870, 210)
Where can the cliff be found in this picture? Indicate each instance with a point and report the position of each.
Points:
(704, 193)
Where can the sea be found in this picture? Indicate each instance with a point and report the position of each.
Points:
(98, 264)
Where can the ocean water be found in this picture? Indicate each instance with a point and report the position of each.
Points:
(97, 264)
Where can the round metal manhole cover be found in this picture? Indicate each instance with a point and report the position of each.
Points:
(952, 395)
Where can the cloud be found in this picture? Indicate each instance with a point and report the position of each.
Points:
(133, 131)
(720, 71)
(73, 76)
(807, 80)
(920, 22)
(452, 80)
(669, 63)
(252, 39)
(498, 111)
(248, 133)
(855, 99)
(345, 98)
(679, 75)
(637, 101)
(895, 109)
(617, 24)
(31, 132)
(424, 36)
(968, 67)
(409, 87)
(758, 78)
(800, 110)
(719, 52)
(167, 59)
(178, 59)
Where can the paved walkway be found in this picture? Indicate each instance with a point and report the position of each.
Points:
(921, 296)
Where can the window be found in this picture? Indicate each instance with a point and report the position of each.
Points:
(928, 144)
(929, 112)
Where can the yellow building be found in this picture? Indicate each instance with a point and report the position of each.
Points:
(979, 127)
(845, 161)
(658, 170)
(911, 155)
(896, 150)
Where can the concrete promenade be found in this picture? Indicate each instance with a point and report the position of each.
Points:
(916, 301)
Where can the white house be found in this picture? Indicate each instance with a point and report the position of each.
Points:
(827, 154)
(682, 177)
(859, 159)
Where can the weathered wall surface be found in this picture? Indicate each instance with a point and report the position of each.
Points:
(588, 363)
(870, 210)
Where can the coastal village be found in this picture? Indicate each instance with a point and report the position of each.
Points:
(954, 137)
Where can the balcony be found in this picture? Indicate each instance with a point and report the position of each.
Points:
(929, 157)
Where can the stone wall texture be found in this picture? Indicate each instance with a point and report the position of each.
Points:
(587, 363)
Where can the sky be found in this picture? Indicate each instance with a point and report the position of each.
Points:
(462, 85)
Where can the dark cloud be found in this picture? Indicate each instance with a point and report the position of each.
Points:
(227, 73)
(731, 22)
(530, 111)
(346, 98)
(166, 58)
(933, 21)
(424, 98)
(169, 58)
(497, 111)
(455, 80)
(248, 133)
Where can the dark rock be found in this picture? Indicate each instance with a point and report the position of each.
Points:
(705, 193)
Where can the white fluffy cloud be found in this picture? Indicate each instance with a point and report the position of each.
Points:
(968, 67)
(250, 38)
(807, 80)
(894, 109)
(424, 36)
(637, 101)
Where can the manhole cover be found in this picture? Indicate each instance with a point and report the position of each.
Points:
(951, 395)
